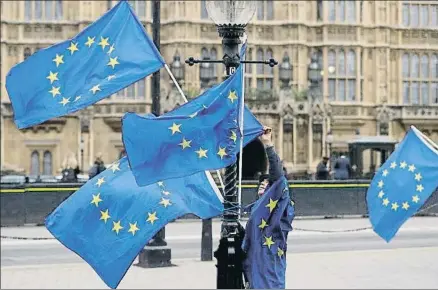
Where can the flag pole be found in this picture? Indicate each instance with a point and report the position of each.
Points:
(185, 100)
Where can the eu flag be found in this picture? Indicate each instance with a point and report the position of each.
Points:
(181, 145)
(265, 242)
(403, 183)
(110, 54)
(110, 219)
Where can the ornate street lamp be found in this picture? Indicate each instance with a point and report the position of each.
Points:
(315, 74)
(177, 68)
(231, 18)
(285, 72)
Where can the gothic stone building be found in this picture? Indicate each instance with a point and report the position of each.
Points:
(378, 60)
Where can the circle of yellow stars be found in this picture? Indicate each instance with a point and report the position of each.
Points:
(201, 152)
(75, 46)
(405, 205)
(118, 225)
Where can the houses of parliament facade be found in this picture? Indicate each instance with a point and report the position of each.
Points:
(378, 60)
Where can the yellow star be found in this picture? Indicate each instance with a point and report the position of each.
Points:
(65, 101)
(95, 89)
(100, 181)
(393, 165)
(175, 128)
(420, 187)
(385, 172)
(405, 206)
(104, 215)
(152, 217)
(111, 77)
(385, 202)
(185, 143)
(193, 115)
(394, 206)
(73, 47)
(77, 98)
(201, 153)
(111, 49)
(165, 192)
(381, 194)
(412, 168)
(268, 242)
(222, 152)
(415, 198)
(55, 91)
(263, 224)
(58, 59)
(53, 77)
(272, 204)
(232, 96)
(160, 183)
(233, 136)
(403, 165)
(115, 167)
(117, 227)
(133, 228)
(380, 184)
(103, 42)
(113, 61)
(96, 199)
(418, 177)
(90, 41)
(165, 202)
(280, 252)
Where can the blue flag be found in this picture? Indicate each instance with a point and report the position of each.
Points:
(403, 183)
(176, 146)
(110, 54)
(265, 242)
(110, 219)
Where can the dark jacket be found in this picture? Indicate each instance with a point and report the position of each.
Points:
(322, 172)
(275, 165)
(342, 168)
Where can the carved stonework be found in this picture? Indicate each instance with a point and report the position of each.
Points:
(52, 125)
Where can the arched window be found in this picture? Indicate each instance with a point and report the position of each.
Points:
(48, 10)
(213, 56)
(38, 9)
(260, 10)
(424, 93)
(27, 52)
(27, 10)
(424, 66)
(204, 14)
(260, 58)
(331, 11)
(434, 66)
(269, 55)
(341, 11)
(204, 53)
(270, 9)
(47, 163)
(351, 11)
(341, 63)
(351, 63)
(332, 72)
(405, 65)
(35, 163)
(415, 66)
(248, 66)
(58, 10)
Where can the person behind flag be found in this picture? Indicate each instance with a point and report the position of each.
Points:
(265, 241)
(107, 56)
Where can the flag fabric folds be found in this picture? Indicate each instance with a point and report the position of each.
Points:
(107, 56)
(110, 219)
(265, 242)
(174, 146)
(403, 183)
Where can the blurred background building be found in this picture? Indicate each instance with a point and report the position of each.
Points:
(346, 68)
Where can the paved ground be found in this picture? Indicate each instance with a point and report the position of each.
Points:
(338, 260)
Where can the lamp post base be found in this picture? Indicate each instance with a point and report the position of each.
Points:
(155, 257)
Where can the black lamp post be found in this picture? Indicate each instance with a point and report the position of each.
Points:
(285, 72)
(315, 77)
(231, 18)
